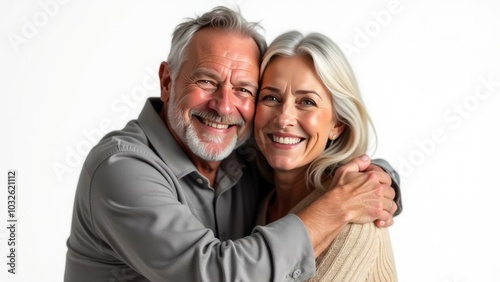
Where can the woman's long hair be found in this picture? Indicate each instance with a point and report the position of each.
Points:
(336, 74)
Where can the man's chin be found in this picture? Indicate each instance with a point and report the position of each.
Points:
(209, 151)
(213, 155)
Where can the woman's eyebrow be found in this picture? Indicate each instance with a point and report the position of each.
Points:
(298, 92)
(270, 88)
(305, 92)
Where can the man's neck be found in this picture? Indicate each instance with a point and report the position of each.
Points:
(207, 169)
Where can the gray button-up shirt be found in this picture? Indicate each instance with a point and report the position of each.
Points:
(143, 213)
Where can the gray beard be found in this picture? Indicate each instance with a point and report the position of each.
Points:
(202, 149)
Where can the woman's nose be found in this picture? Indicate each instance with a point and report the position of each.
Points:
(285, 117)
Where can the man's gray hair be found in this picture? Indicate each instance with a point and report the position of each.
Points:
(221, 18)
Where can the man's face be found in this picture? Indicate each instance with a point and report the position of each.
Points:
(211, 102)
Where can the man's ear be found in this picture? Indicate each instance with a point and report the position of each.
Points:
(165, 81)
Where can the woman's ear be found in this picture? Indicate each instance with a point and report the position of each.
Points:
(165, 81)
(336, 130)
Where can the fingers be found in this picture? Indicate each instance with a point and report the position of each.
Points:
(365, 196)
(394, 208)
(389, 192)
(358, 164)
(383, 176)
(380, 223)
(391, 209)
(384, 223)
(390, 206)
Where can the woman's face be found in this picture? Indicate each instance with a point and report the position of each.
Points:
(294, 115)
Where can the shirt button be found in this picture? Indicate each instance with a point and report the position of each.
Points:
(199, 180)
(296, 273)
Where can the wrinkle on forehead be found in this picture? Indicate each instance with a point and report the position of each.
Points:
(229, 55)
(233, 46)
(223, 61)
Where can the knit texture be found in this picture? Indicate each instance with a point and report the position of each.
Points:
(360, 252)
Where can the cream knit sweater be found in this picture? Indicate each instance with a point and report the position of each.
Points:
(361, 252)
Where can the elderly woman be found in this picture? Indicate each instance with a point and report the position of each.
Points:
(310, 120)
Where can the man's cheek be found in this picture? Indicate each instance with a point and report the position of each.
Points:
(247, 109)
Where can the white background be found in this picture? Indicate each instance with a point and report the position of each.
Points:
(73, 70)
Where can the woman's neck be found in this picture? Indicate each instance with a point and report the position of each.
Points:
(290, 190)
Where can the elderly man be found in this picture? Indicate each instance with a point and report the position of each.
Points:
(168, 198)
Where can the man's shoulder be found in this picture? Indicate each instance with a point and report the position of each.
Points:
(131, 141)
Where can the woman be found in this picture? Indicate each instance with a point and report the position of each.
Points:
(309, 120)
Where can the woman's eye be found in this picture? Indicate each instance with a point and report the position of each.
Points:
(308, 102)
(269, 98)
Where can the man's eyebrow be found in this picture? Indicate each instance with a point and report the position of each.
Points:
(215, 74)
(246, 83)
(206, 72)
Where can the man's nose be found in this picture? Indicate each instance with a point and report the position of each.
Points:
(222, 102)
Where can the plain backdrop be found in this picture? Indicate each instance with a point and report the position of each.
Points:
(429, 72)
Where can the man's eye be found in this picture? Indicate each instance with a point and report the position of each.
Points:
(206, 83)
(244, 90)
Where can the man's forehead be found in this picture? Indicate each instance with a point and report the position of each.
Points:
(221, 45)
(227, 61)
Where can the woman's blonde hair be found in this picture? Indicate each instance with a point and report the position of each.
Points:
(336, 74)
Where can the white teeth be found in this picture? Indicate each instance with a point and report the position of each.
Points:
(215, 125)
(286, 140)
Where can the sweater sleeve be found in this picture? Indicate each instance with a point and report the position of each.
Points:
(361, 252)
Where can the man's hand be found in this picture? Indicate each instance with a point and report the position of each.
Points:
(388, 195)
(364, 192)
(357, 196)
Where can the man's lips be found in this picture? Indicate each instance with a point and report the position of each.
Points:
(213, 120)
(213, 124)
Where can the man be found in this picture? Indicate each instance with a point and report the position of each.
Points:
(167, 199)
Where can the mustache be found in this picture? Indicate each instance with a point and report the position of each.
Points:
(214, 116)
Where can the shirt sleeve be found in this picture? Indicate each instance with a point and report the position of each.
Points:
(395, 182)
(137, 212)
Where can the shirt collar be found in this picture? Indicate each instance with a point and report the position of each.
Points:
(162, 140)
